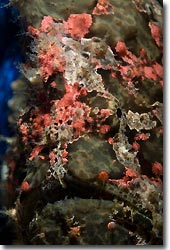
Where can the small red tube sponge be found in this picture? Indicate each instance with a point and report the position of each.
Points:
(78, 25)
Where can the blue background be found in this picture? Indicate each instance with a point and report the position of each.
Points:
(10, 56)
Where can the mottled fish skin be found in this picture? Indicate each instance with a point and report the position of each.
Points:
(86, 164)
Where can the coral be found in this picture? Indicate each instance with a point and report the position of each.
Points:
(85, 164)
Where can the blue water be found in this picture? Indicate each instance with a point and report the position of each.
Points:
(10, 57)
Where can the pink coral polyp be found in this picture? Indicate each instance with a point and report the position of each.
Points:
(78, 25)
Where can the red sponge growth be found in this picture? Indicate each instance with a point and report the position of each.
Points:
(157, 168)
(103, 7)
(121, 48)
(78, 25)
(156, 34)
(46, 23)
(51, 60)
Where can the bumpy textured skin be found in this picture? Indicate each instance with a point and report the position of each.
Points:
(125, 24)
(91, 215)
(87, 158)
